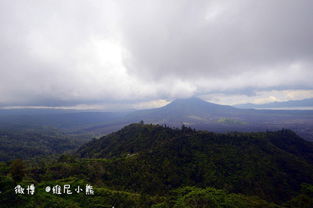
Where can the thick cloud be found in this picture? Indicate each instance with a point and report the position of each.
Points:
(219, 39)
(93, 52)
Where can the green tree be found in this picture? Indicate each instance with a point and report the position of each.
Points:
(17, 170)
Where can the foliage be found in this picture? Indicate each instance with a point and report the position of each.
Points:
(17, 170)
(155, 166)
(164, 158)
(34, 142)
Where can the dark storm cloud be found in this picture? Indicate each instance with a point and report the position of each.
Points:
(93, 52)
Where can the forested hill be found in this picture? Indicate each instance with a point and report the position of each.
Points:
(271, 165)
(153, 166)
(26, 143)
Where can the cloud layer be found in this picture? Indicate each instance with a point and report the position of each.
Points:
(93, 52)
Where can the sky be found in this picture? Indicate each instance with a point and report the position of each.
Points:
(111, 55)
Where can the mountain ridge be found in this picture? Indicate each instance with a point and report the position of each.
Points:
(283, 104)
(192, 112)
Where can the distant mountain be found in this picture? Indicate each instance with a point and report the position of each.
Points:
(271, 165)
(287, 104)
(196, 106)
(192, 112)
(200, 114)
(183, 111)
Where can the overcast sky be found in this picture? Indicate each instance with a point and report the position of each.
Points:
(139, 54)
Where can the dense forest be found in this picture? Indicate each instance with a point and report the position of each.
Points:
(27, 142)
(145, 165)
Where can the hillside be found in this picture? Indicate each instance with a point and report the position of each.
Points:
(154, 166)
(271, 165)
(26, 143)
